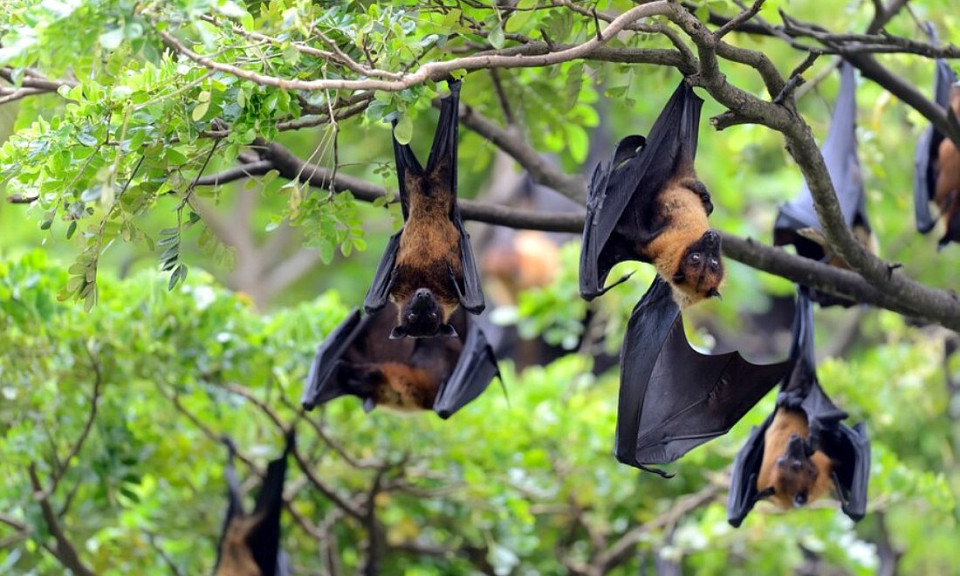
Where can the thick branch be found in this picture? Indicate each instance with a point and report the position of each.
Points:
(775, 261)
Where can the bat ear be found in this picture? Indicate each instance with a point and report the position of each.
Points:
(714, 293)
(398, 332)
(765, 493)
(448, 331)
(369, 404)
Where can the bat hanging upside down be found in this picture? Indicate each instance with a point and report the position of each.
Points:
(803, 448)
(407, 374)
(647, 204)
(428, 268)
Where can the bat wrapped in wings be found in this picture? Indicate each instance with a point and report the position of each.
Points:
(428, 268)
(803, 448)
(673, 398)
(797, 222)
(647, 204)
(937, 176)
(441, 373)
(250, 543)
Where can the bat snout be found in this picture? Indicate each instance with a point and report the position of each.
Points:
(422, 294)
(796, 448)
(711, 239)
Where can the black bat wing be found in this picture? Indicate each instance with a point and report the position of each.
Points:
(322, 383)
(473, 372)
(849, 450)
(925, 174)
(746, 469)
(379, 293)
(621, 210)
(672, 398)
(264, 537)
(443, 154)
(843, 165)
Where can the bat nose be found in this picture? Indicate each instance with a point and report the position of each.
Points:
(422, 294)
(711, 239)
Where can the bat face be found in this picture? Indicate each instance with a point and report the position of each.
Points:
(794, 474)
(422, 316)
(701, 269)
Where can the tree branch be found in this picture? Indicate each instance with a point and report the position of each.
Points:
(65, 552)
(434, 70)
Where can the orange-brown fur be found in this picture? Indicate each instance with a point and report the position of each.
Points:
(947, 194)
(406, 388)
(530, 261)
(429, 245)
(684, 210)
(786, 484)
(236, 559)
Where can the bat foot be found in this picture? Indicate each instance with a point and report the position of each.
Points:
(791, 400)
(700, 189)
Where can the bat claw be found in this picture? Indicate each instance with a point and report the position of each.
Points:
(657, 471)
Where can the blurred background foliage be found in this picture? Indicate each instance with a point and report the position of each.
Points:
(522, 483)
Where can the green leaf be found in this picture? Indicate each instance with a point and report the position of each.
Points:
(112, 39)
(496, 38)
(403, 131)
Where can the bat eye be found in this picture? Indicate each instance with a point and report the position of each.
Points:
(433, 316)
(795, 465)
(695, 258)
(800, 499)
(714, 262)
(411, 317)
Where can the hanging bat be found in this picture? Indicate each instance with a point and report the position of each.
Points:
(937, 176)
(673, 398)
(797, 222)
(442, 374)
(428, 268)
(803, 448)
(647, 204)
(250, 543)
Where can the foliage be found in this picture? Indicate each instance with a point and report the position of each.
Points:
(516, 484)
(505, 476)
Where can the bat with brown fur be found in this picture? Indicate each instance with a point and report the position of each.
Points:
(439, 373)
(250, 543)
(647, 204)
(803, 448)
(428, 268)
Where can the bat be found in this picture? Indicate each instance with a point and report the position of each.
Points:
(673, 398)
(428, 268)
(797, 221)
(802, 448)
(250, 543)
(937, 162)
(440, 373)
(647, 204)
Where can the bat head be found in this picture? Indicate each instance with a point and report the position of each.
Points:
(700, 271)
(795, 475)
(422, 316)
